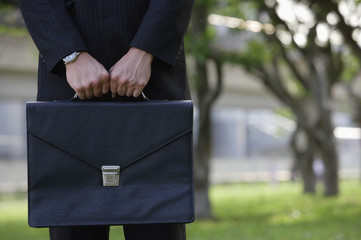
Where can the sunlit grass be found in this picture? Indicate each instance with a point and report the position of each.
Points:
(261, 211)
(13, 222)
(244, 212)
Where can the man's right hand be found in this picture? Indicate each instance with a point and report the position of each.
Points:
(87, 77)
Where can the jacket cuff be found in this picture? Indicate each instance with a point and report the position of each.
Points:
(55, 62)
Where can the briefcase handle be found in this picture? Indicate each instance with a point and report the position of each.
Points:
(118, 98)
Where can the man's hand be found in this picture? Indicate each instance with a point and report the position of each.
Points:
(87, 77)
(131, 73)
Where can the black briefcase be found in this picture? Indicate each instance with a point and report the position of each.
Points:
(109, 163)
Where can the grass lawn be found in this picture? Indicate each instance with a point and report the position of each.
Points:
(252, 211)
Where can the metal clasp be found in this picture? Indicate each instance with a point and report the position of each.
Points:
(110, 175)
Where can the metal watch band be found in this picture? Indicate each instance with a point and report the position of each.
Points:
(71, 58)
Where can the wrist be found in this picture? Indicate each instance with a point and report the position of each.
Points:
(141, 53)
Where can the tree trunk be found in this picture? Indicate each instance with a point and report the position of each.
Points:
(308, 174)
(328, 150)
(304, 150)
(330, 159)
(202, 147)
(325, 140)
(202, 158)
(202, 151)
(331, 169)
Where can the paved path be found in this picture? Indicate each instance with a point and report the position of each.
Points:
(13, 176)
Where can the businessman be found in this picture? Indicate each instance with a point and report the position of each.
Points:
(99, 48)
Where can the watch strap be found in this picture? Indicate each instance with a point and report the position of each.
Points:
(71, 57)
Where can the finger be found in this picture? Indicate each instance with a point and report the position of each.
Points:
(81, 95)
(97, 92)
(113, 85)
(105, 78)
(137, 92)
(122, 89)
(139, 89)
(89, 93)
(97, 89)
(129, 92)
(105, 87)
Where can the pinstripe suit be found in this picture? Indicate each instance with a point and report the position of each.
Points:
(106, 29)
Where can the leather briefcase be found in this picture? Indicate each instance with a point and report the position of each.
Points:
(109, 163)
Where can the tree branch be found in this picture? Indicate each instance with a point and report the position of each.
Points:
(344, 28)
(292, 66)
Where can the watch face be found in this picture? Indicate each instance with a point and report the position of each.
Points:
(67, 58)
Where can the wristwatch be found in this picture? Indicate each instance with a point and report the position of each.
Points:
(71, 58)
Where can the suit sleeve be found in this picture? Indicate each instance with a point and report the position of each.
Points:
(163, 28)
(52, 30)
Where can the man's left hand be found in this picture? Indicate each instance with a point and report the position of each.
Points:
(131, 73)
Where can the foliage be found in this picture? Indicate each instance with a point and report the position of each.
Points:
(353, 67)
(199, 46)
(11, 21)
(254, 57)
(233, 8)
(248, 211)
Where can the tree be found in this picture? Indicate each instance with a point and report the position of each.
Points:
(198, 41)
(350, 33)
(299, 58)
(301, 75)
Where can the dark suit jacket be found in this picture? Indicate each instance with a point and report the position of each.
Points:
(107, 29)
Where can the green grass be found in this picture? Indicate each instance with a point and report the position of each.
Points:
(242, 211)
(263, 212)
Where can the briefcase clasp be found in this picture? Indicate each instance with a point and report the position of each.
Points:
(110, 175)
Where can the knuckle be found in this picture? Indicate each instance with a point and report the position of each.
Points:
(78, 88)
(94, 80)
(123, 80)
(91, 84)
(104, 75)
(141, 83)
(132, 84)
(113, 81)
(86, 84)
